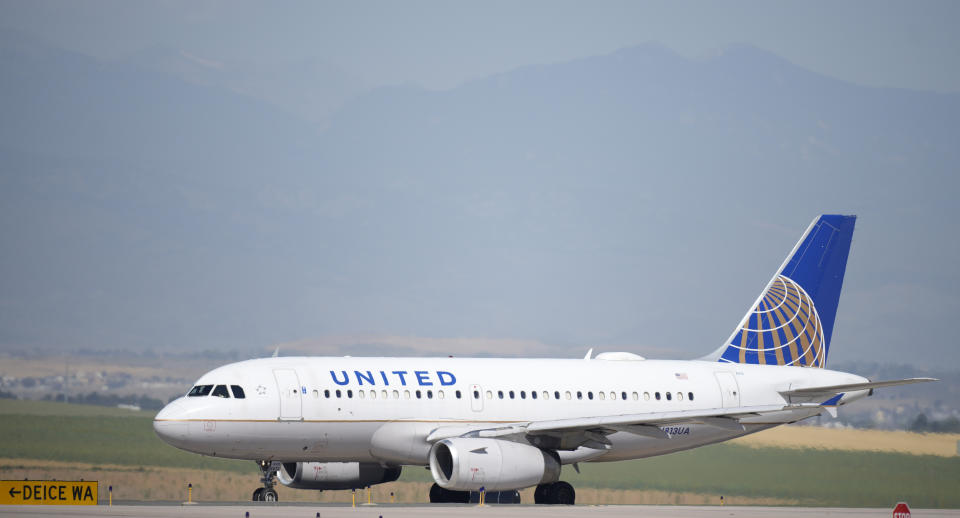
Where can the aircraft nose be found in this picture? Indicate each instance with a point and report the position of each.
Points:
(170, 426)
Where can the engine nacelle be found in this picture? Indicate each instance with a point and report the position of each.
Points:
(335, 475)
(467, 464)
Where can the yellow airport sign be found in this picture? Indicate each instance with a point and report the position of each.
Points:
(48, 492)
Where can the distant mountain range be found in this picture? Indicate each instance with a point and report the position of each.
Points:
(635, 201)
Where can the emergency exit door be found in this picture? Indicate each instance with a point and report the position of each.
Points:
(476, 398)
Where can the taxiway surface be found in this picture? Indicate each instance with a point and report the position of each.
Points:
(490, 511)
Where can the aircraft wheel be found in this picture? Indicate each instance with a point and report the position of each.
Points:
(258, 494)
(437, 494)
(561, 493)
(540, 494)
(269, 495)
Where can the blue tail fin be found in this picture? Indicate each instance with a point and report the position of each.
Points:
(791, 322)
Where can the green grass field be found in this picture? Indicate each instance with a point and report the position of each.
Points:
(74, 433)
(100, 435)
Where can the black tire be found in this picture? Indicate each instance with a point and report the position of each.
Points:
(561, 493)
(258, 494)
(540, 494)
(270, 495)
(437, 495)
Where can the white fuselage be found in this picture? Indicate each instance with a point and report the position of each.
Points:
(383, 409)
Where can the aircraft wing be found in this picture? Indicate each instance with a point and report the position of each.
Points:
(592, 431)
(647, 419)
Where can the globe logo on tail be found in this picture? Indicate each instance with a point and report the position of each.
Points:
(783, 329)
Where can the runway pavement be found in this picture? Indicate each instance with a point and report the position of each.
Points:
(415, 511)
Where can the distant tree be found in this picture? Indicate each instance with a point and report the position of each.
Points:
(28, 382)
(948, 425)
(920, 424)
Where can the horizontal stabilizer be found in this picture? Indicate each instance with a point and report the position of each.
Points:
(850, 387)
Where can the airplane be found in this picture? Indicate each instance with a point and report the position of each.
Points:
(496, 425)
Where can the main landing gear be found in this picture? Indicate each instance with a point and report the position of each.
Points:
(439, 495)
(560, 493)
(556, 493)
(268, 472)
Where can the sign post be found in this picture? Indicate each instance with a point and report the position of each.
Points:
(902, 510)
(49, 492)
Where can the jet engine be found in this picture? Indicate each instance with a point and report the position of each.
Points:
(335, 475)
(467, 464)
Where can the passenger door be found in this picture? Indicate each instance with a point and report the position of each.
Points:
(288, 385)
(729, 390)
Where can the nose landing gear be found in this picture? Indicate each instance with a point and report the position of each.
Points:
(268, 472)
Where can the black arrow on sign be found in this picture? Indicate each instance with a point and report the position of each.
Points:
(12, 492)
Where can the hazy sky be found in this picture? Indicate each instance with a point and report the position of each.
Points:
(235, 178)
(440, 44)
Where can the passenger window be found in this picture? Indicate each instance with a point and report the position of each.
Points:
(489, 394)
(500, 394)
(476, 394)
(567, 394)
(533, 394)
(669, 396)
(316, 394)
(656, 395)
(613, 395)
(383, 394)
(406, 394)
(350, 394)
(221, 391)
(237, 391)
(635, 396)
(338, 393)
(361, 394)
(556, 394)
(546, 395)
(511, 394)
(523, 394)
(200, 390)
(396, 394)
(579, 395)
(440, 394)
(624, 394)
(373, 394)
(679, 396)
(646, 396)
(418, 394)
(690, 396)
(429, 394)
(590, 395)
(602, 396)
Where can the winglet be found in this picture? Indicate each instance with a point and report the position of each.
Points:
(276, 352)
(830, 405)
(589, 354)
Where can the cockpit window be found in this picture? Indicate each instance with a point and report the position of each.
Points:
(221, 391)
(237, 391)
(200, 390)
